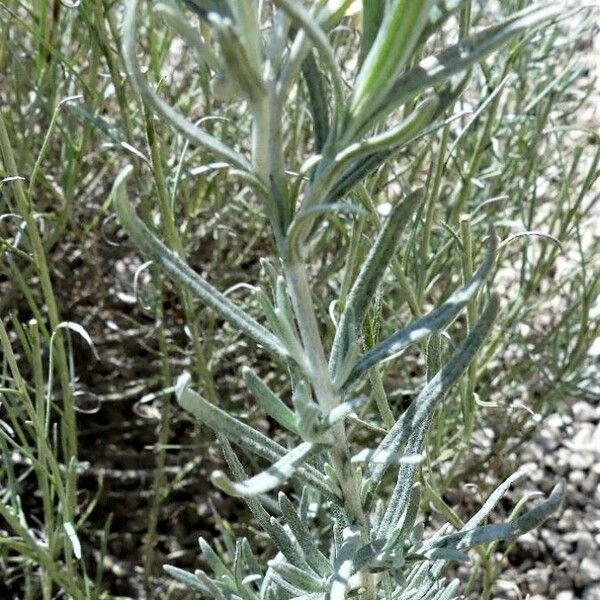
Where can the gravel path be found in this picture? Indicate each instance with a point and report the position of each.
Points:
(561, 560)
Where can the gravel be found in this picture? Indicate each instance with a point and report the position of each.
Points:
(561, 560)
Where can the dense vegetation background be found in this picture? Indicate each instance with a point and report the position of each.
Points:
(102, 477)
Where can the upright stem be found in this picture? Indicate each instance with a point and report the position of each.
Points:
(318, 373)
(69, 425)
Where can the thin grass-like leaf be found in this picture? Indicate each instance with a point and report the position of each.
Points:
(183, 274)
(371, 19)
(436, 69)
(191, 131)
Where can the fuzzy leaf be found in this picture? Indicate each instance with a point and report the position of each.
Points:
(344, 564)
(467, 538)
(409, 431)
(186, 578)
(436, 320)
(436, 69)
(343, 410)
(369, 277)
(314, 557)
(280, 537)
(240, 433)
(269, 401)
(300, 579)
(385, 458)
(275, 476)
(183, 274)
(493, 499)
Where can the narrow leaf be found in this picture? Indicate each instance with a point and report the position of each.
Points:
(194, 133)
(314, 557)
(302, 580)
(186, 578)
(343, 410)
(385, 458)
(369, 277)
(183, 274)
(280, 537)
(269, 401)
(396, 39)
(504, 531)
(436, 69)
(239, 433)
(344, 564)
(421, 409)
(493, 499)
(372, 16)
(275, 476)
(317, 97)
(436, 320)
(446, 554)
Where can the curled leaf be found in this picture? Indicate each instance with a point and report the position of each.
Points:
(273, 477)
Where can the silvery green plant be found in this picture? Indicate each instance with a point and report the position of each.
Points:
(374, 546)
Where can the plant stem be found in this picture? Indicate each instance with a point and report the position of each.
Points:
(25, 209)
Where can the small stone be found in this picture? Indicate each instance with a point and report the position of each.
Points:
(566, 521)
(565, 595)
(508, 589)
(538, 580)
(591, 592)
(535, 474)
(558, 461)
(582, 438)
(589, 572)
(585, 544)
(583, 411)
(576, 477)
(590, 484)
(596, 438)
(555, 544)
(530, 545)
(556, 421)
(549, 439)
(581, 460)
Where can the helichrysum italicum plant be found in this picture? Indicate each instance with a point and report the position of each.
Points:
(375, 546)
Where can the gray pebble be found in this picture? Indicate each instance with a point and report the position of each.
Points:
(584, 411)
(588, 572)
(538, 580)
(592, 592)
